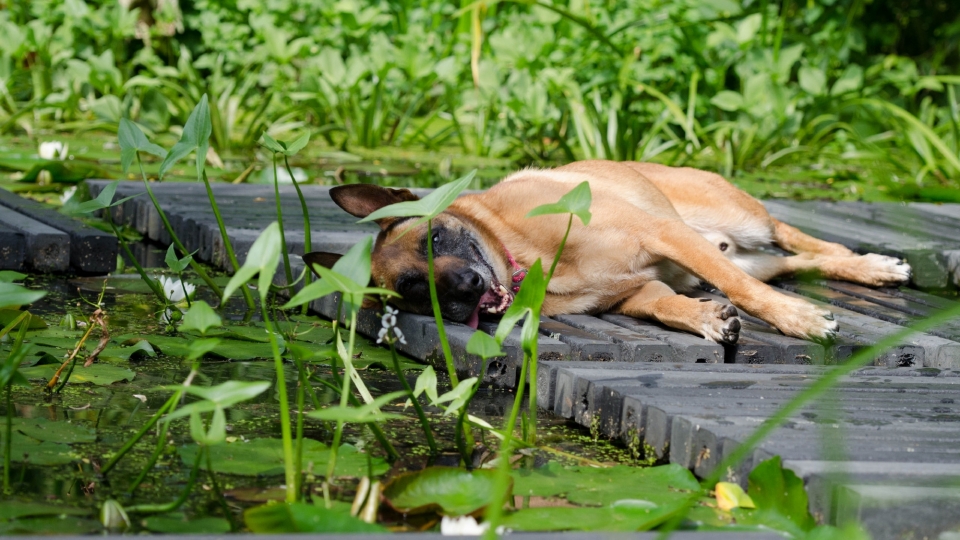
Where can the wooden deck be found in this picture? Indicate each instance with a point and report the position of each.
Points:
(883, 449)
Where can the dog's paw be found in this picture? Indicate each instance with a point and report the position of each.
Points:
(721, 324)
(880, 271)
(801, 319)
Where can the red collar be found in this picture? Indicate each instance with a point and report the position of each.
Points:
(519, 272)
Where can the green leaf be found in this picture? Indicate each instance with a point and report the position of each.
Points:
(177, 523)
(355, 263)
(200, 317)
(304, 518)
(27, 450)
(458, 396)
(216, 432)
(812, 80)
(298, 144)
(271, 144)
(728, 100)
(199, 347)
(98, 374)
(103, 200)
(51, 431)
(263, 258)
(133, 140)
(628, 515)
(138, 350)
(264, 457)
(449, 490)
(850, 80)
(367, 413)
(528, 301)
(664, 485)
(576, 201)
(9, 276)
(50, 526)
(65, 172)
(14, 509)
(13, 295)
(175, 264)
(774, 488)
(196, 136)
(428, 207)
(730, 496)
(8, 315)
(427, 382)
(221, 396)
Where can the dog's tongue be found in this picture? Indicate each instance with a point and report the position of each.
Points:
(487, 297)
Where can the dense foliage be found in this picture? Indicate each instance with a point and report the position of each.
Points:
(848, 88)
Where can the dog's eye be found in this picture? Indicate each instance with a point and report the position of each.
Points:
(436, 238)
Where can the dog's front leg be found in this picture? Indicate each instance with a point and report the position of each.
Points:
(712, 320)
(674, 240)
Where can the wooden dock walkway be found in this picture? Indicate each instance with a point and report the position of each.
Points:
(884, 449)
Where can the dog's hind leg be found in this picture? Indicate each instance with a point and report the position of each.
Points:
(871, 269)
(712, 320)
(795, 241)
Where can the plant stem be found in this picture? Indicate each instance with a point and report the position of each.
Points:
(227, 246)
(161, 442)
(170, 507)
(227, 513)
(434, 301)
(8, 440)
(335, 446)
(307, 241)
(196, 266)
(301, 391)
(378, 434)
(283, 237)
(143, 431)
(152, 283)
(288, 462)
(424, 422)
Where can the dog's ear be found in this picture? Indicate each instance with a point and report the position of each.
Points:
(370, 303)
(322, 258)
(361, 200)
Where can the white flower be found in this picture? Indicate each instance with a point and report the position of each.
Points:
(53, 150)
(67, 193)
(465, 526)
(176, 290)
(389, 326)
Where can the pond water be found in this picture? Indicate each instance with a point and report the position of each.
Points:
(68, 437)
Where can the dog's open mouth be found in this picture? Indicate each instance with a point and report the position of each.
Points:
(494, 301)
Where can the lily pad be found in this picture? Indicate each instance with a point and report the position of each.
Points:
(19, 509)
(227, 348)
(617, 517)
(46, 430)
(177, 523)
(51, 525)
(99, 374)
(137, 351)
(449, 490)
(7, 316)
(598, 487)
(26, 450)
(264, 457)
(303, 518)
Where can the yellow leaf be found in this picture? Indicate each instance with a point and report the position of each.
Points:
(730, 496)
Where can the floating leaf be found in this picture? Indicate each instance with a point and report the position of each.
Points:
(48, 430)
(264, 457)
(175, 523)
(661, 485)
(576, 201)
(27, 450)
(625, 517)
(730, 496)
(779, 490)
(13, 509)
(51, 525)
(98, 374)
(449, 490)
(304, 518)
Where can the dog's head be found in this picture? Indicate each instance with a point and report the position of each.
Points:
(470, 268)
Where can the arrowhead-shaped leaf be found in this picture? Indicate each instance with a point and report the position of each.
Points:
(196, 136)
(133, 140)
(576, 201)
(428, 207)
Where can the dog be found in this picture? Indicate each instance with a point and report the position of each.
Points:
(656, 232)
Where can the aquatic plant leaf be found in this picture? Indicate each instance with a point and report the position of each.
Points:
(199, 347)
(427, 382)
(175, 264)
(663, 485)
(264, 457)
(13, 295)
(369, 412)
(271, 144)
(428, 207)
(200, 317)
(730, 496)
(9, 276)
(303, 518)
(528, 301)
(458, 396)
(103, 200)
(287, 149)
(138, 350)
(176, 523)
(775, 489)
(50, 525)
(13, 509)
(626, 517)
(47, 430)
(231, 349)
(27, 450)
(451, 491)
(131, 140)
(851, 531)
(263, 257)
(7, 316)
(576, 201)
(98, 374)
(221, 396)
(196, 136)
(216, 431)
(484, 345)
(64, 172)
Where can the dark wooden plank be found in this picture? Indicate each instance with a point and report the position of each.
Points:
(633, 346)
(688, 347)
(13, 248)
(47, 249)
(583, 345)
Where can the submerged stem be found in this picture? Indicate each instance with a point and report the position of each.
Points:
(288, 461)
(424, 422)
(338, 434)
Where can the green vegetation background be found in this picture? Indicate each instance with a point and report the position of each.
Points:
(847, 99)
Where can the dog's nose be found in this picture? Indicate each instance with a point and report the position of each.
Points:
(469, 282)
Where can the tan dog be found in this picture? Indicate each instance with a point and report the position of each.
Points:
(655, 231)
